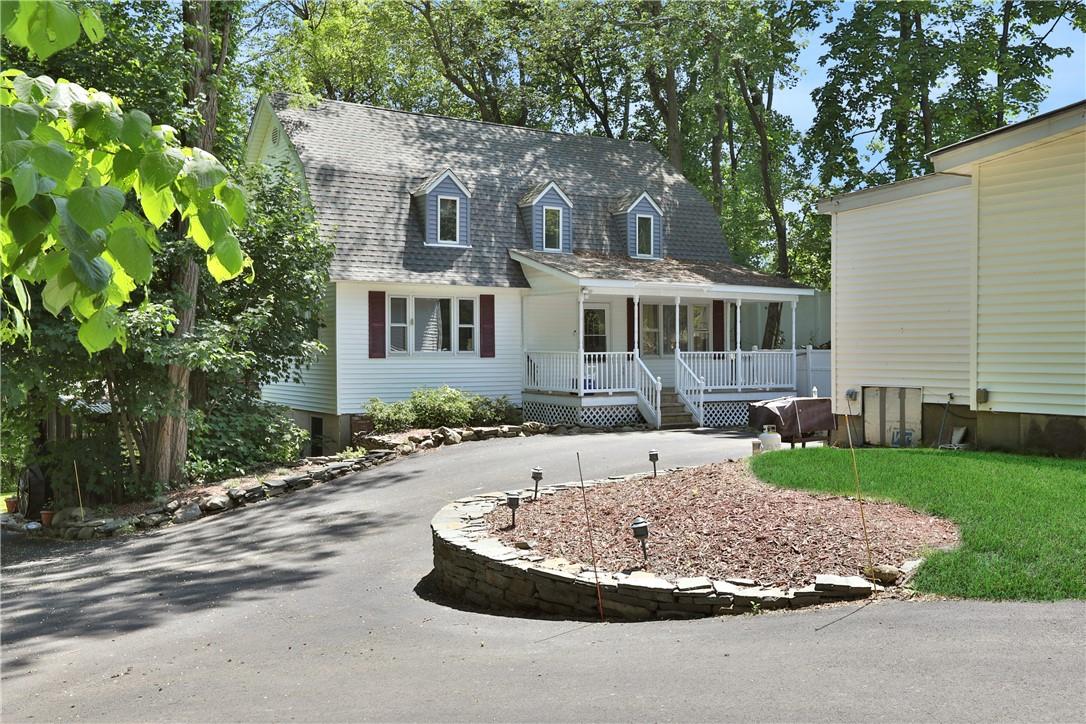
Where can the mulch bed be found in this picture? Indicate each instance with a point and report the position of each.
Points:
(720, 521)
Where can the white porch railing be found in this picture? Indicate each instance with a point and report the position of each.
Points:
(551, 371)
(648, 394)
(691, 390)
(609, 372)
(743, 369)
(603, 372)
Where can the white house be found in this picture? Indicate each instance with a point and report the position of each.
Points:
(582, 277)
(968, 287)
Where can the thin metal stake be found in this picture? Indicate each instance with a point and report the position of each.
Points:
(591, 545)
(82, 515)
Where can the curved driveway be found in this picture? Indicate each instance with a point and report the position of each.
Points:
(304, 609)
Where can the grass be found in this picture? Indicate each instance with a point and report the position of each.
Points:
(1022, 518)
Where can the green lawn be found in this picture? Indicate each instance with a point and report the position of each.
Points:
(1023, 518)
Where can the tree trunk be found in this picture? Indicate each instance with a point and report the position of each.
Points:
(772, 330)
(718, 139)
(899, 151)
(1001, 60)
(926, 121)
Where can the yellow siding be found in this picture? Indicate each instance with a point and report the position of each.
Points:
(901, 296)
(1031, 279)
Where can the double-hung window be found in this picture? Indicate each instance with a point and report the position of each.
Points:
(552, 228)
(423, 325)
(658, 329)
(448, 220)
(645, 231)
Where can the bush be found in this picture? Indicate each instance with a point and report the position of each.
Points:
(437, 406)
(237, 434)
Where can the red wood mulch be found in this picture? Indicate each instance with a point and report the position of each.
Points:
(720, 521)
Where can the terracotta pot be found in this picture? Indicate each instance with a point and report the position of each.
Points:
(12, 503)
(47, 518)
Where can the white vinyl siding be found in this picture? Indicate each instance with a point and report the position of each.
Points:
(901, 296)
(393, 378)
(1031, 279)
(317, 391)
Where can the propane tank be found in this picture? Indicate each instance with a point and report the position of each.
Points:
(769, 438)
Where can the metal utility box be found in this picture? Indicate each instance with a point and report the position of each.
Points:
(892, 416)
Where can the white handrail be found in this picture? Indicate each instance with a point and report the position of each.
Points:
(691, 390)
(649, 390)
(743, 369)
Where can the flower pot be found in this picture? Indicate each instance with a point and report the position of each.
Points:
(12, 503)
(47, 518)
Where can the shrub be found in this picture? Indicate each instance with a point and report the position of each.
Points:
(493, 411)
(386, 417)
(434, 407)
(237, 434)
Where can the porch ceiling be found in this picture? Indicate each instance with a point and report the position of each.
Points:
(658, 276)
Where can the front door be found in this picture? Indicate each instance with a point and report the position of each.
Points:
(595, 329)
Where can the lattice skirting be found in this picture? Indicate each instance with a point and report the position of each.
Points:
(594, 416)
(726, 414)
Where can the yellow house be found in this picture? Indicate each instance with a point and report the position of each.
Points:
(959, 298)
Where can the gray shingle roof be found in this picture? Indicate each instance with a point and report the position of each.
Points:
(588, 265)
(361, 164)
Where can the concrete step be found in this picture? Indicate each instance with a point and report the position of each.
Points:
(678, 425)
(676, 419)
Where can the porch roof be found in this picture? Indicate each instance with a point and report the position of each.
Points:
(600, 271)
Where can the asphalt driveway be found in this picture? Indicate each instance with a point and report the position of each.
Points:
(305, 608)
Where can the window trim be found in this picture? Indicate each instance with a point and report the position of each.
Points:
(652, 236)
(445, 242)
(454, 326)
(474, 324)
(667, 320)
(561, 230)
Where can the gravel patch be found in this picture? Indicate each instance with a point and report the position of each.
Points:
(720, 521)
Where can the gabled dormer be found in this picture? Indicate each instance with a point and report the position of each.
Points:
(643, 220)
(548, 215)
(445, 208)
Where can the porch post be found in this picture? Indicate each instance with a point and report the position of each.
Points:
(739, 344)
(676, 342)
(794, 345)
(637, 325)
(580, 343)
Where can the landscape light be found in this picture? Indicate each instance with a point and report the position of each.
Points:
(640, 528)
(512, 499)
(537, 475)
(654, 456)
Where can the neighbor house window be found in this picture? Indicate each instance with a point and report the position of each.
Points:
(552, 228)
(431, 324)
(397, 324)
(658, 328)
(644, 235)
(448, 220)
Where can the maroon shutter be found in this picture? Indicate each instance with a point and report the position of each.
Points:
(377, 325)
(719, 342)
(486, 325)
(630, 324)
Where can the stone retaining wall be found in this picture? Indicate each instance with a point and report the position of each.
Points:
(474, 567)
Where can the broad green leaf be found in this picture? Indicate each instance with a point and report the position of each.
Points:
(158, 170)
(101, 330)
(226, 262)
(95, 208)
(75, 238)
(26, 222)
(211, 224)
(129, 247)
(233, 198)
(136, 128)
(20, 293)
(7, 15)
(51, 26)
(84, 304)
(25, 180)
(125, 162)
(92, 25)
(205, 169)
(13, 153)
(121, 285)
(50, 264)
(57, 295)
(157, 205)
(94, 274)
(17, 121)
(33, 90)
(53, 160)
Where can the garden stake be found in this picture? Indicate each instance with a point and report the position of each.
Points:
(82, 515)
(859, 495)
(591, 546)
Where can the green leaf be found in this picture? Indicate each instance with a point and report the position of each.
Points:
(101, 330)
(44, 27)
(233, 198)
(52, 160)
(227, 259)
(135, 129)
(157, 205)
(28, 221)
(95, 208)
(94, 274)
(17, 121)
(33, 90)
(158, 170)
(13, 153)
(92, 25)
(129, 247)
(211, 224)
(25, 181)
(125, 162)
(205, 169)
(55, 296)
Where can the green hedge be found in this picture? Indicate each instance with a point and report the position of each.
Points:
(437, 406)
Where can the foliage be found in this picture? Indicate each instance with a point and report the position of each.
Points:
(1022, 518)
(236, 433)
(352, 453)
(438, 406)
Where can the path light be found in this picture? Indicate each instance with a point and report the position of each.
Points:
(512, 499)
(537, 475)
(654, 456)
(640, 528)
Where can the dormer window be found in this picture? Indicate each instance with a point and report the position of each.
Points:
(448, 220)
(644, 235)
(552, 228)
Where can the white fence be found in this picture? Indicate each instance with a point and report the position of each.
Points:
(813, 370)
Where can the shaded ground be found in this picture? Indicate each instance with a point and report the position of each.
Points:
(720, 521)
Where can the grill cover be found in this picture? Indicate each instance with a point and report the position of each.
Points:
(794, 417)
